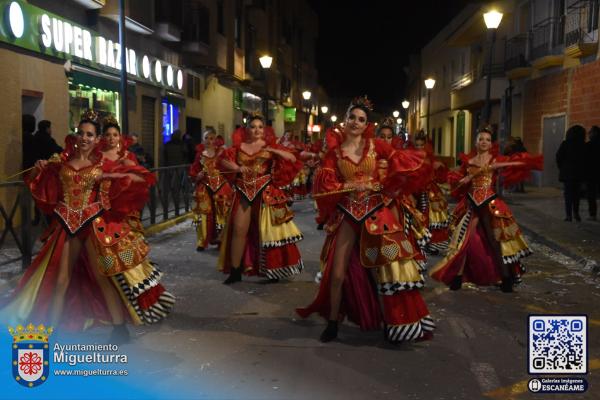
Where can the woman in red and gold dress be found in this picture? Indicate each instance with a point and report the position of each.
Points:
(432, 201)
(66, 285)
(364, 235)
(260, 236)
(414, 220)
(121, 244)
(486, 245)
(213, 192)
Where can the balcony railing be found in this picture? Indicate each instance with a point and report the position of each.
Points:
(169, 198)
(547, 38)
(516, 52)
(580, 23)
(497, 71)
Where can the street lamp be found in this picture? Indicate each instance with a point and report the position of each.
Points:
(306, 96)
(396, 113)
(429, 84)
(492, 20)
(324, 109)
(333, 118)
(399, 121)
(265, 63)
(405, 105)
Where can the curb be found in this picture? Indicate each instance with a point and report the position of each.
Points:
(157, 228)
(581, 259)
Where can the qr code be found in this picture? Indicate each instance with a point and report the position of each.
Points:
(558, 344)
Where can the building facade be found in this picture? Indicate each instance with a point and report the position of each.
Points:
(543, 77)
(191, 64)
(457, 58)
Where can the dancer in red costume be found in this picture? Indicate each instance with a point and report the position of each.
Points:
(367, 251)
(486, 245)
(121, 244)
(299, 186)
(260, 236)
(213, 192)
(65, 285)
(432, 201)
(415, 223)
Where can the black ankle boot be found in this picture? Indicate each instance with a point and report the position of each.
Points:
(507, 285)
(119, 335)
(330, 332)
(456, 283)
(235, 275)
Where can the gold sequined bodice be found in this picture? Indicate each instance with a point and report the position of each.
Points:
(79, 204)
(482, 183)
(210, 165)
(78, 185)
(363, 171)
(259, 163)
(360, 204)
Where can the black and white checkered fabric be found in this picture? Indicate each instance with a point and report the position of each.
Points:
(283, 242)
(402, 333)
(516, 257)
(439, 225)
(284, 272)
(464, 225)
(423, 202)
(441, 247)
(158, 310)
(391, 288)
(424, 241)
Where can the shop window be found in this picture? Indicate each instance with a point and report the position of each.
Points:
(193, 87)
(170, 120)
(84, 97)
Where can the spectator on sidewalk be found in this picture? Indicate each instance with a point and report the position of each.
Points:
(592, 168)
(188, 147)
(175, 152)
(44, 144)
(136, 148)
(571, 165)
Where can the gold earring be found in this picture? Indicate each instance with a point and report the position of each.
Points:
(76, 146)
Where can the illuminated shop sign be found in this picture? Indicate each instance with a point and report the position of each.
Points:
(35, 29)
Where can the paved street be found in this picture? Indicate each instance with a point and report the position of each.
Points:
(245, 341)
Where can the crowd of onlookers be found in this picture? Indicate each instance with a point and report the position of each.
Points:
(578, 159)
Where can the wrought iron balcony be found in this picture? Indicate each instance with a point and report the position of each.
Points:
(516, 52)
(547, 38)
(581, 24)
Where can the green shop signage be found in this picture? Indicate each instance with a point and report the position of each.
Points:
(35, 29)
(289, 114)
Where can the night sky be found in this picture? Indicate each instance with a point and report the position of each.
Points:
(363, 46)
